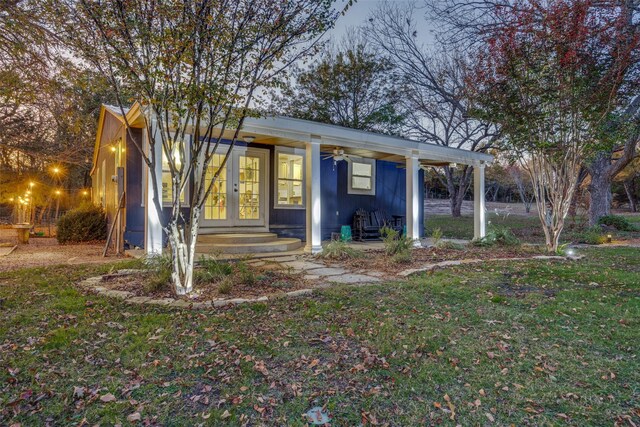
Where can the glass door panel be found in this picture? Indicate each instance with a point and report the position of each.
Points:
(249, 187)
(216, 207)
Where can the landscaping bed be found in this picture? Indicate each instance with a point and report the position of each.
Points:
(214, 281)
(377, 260)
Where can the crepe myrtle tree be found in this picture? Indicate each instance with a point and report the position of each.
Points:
(551, 77)
(196, 68)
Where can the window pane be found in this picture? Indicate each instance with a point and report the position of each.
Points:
(360, 183)
(215, 207)
(362, 169)
(289, 179)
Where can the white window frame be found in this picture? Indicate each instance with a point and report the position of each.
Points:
(350, 189)
(297, 152)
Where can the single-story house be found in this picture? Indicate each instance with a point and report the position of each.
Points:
(288, 182)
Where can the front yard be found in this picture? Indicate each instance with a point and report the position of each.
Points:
(535, 342)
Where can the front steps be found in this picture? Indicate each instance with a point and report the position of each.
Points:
(245, 243)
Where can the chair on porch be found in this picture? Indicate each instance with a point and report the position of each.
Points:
(367, 225)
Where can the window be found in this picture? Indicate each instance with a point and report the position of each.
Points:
(167, 187)
(362, 177)
(289, 179)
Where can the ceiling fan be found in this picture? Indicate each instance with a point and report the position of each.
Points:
(337, 155)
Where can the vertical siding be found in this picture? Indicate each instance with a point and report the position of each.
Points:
(134, 231)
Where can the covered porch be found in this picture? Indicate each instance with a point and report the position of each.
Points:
(317, 145)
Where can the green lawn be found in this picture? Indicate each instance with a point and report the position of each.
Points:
(526, 228)
(529, 343)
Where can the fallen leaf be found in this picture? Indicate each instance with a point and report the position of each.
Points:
(107, 398)
(134, 417)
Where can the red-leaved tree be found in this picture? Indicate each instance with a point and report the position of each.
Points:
(555, 75)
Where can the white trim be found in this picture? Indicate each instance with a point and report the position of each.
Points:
(302, 130)
(479, 209)
(314, 198)
(297, 152)
(413, 191)
(364, 161)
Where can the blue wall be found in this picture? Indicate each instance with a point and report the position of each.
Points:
(134, 231)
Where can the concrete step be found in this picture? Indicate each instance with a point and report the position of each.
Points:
(278, 245)
(237, 238)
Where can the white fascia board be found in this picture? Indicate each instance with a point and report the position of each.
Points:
(302, 130)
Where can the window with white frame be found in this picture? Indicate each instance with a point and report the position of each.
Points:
(289, 178)
(167, 187)
(362, 176)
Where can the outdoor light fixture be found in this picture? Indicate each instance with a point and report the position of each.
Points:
(608, 238)
(56, 169)
(249, 139)
(113, 149)
(570, 252)
(57, 192)
(31, 184)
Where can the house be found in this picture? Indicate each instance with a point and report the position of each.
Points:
(288, 182)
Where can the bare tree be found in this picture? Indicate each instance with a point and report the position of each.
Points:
(434, 92)
(523, 184)
(195, 67)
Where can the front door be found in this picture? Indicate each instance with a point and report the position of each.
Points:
(239, 196)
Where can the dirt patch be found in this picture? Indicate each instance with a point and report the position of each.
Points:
(377, 260)
(45, 251)
(266, 280)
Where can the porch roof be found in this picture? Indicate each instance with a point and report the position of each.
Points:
(289, 131)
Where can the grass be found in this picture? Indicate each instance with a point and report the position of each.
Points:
(525, 228)
(527, 343)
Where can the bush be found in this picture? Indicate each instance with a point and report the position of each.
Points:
(497, 235)
(447, 244)
(83, 224)
(337, 249)
(158, 271)
(211, 270)
(245, 273)
(397, 247)
(226, 285)
(436, 235)
(618, 222)
(592, 236)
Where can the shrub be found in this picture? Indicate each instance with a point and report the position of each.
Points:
(397, 247)
(592, 236)
(226, 285)
(83, 224)
(337, 249)
(436, 235)
(158, 271)
(447, 244)
(245, 273)
(211, 270)
(618, 222)
(497, 235)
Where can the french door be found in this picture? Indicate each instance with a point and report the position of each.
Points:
(239, 196)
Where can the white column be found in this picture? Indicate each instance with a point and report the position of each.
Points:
(479, 211)
(153, 223)
(413, 189)
(313, 197)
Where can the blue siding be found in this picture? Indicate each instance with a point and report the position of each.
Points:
(134, 231)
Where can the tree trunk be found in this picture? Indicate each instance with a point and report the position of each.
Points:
(457, 190)
(599, 189)
(630, 189)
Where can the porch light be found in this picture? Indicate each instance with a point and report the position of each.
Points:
(249, 139)
(113, 149)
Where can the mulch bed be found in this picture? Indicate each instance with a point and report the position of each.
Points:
(377, 259)
(268, 281)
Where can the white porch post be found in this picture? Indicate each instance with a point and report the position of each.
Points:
(479, 211)
(413, 198)
(313, 197)
(153, 224)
